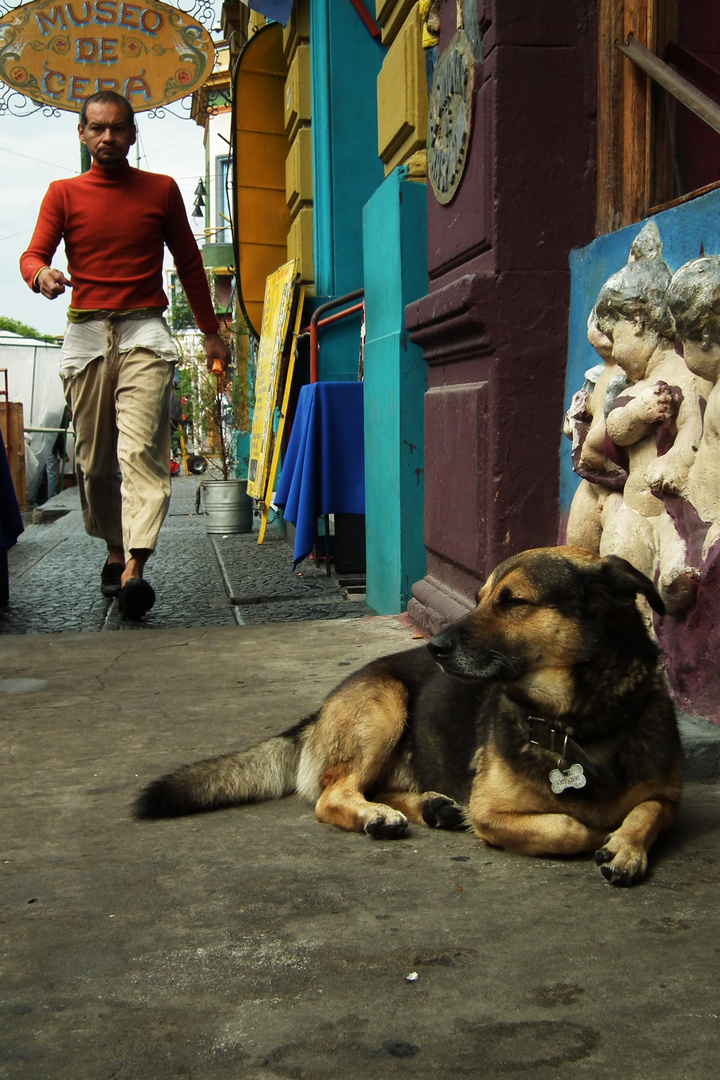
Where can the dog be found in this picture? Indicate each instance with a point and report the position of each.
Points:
(540, 720)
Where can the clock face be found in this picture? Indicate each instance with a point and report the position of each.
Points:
(450, 117)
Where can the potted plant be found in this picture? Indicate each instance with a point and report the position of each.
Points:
(216, 407)
(225, 502)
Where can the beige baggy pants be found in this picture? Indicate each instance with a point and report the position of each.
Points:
(120, 411)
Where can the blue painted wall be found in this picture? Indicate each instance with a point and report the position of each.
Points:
(395, 254)
(345, 61)
(685, 232)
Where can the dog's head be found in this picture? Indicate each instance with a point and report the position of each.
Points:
(541, 613)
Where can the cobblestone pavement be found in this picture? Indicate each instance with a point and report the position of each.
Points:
(200, 580)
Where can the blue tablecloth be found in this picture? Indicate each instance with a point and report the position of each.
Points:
(11, 523)
(324, 467)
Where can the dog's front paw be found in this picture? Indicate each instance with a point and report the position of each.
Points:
(387, 824)
(439, 812)
(620, 863)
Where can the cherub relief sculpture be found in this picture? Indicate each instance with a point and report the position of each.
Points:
(664, 335)
(694, 301)
(603, 477)
(692, 643)
(656, 421)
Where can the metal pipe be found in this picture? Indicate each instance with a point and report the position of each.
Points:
(341, 314)
(366, 17)
(5, 393)
(680, 88)
(316, 322)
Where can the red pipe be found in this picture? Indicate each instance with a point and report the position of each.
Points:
(341, 314)
(366, 17)
(317, 321)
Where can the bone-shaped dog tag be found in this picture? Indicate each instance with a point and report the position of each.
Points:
(572, 777)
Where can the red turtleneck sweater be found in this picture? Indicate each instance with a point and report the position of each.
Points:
(115, 225)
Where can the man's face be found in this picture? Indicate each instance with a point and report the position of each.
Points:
(108, 134)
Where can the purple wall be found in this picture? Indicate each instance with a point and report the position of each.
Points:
(493, 326)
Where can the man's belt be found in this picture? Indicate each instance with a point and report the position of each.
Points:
(105, 315)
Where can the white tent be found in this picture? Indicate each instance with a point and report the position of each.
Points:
(33, 378)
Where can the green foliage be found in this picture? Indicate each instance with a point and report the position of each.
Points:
(15, 327)
(217, 408)
(186, 387)
(181, 316)
(212, 404)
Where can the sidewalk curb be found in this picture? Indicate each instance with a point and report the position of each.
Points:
(701, 747)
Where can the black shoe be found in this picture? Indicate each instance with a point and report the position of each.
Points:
(135, 598)
(110, 579)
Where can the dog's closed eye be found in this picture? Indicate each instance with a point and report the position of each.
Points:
(507, 598)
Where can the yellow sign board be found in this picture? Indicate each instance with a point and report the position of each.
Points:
(61, 53)
(279, 292)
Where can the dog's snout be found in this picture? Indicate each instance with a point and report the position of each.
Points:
(442, 645)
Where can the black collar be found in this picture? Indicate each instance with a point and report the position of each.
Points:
(541, 733)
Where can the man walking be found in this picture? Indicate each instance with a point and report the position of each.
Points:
(118, 357)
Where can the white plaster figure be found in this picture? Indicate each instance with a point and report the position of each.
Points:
(602, 478)
(657, 419)
(694, 300)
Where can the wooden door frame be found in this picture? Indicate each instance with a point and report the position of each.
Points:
(624, 115)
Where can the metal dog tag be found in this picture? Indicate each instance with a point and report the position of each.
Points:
(565, 778)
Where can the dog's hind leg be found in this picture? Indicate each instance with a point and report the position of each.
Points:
(623, 859)
(342, 803)
(353, 750)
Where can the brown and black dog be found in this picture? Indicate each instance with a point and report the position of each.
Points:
(540, 720)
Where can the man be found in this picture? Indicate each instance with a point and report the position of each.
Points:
(118, 357)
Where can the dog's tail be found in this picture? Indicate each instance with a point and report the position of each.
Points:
(267, 771)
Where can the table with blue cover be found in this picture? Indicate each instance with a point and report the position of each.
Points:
(11, 523)
(324, 467)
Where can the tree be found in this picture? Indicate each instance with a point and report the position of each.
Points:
(15, 327)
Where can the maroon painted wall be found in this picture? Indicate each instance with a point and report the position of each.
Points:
(493, 326)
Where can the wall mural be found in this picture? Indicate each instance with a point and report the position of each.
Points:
(645, 432)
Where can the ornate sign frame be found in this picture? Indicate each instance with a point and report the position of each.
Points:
(55, 53)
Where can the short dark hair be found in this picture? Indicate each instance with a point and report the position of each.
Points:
(107, 97)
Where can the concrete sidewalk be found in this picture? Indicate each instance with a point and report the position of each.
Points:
(256, 944)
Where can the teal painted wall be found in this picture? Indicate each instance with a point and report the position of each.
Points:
(395, 256)
(345, 61)
(685, 231)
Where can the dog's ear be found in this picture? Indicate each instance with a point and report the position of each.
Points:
(617, 582)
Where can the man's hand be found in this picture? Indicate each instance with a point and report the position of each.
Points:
(51, 283)
(216, 349)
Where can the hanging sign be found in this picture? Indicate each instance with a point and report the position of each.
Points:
(61, 53)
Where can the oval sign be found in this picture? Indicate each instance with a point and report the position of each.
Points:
(61, 53)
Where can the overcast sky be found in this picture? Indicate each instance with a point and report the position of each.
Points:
(36, 150)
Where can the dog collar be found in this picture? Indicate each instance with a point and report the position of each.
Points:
(541, 733)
